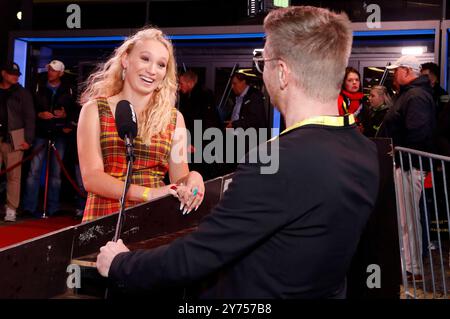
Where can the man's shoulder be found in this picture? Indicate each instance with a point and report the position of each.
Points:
(20, 90)
(253, 92)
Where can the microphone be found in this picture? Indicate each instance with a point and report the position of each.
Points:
(126, 125)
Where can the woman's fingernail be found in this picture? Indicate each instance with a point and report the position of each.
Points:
(188, 211)
(181, 206)
(185, 211)
(173, 187)
(196, 207)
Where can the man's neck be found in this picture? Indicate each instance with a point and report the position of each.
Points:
(244, 91)
(54, 83)
(5, 85)
(300, 108)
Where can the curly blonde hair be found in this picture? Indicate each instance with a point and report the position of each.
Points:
(107, 81)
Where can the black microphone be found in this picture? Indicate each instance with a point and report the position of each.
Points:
(126, 125)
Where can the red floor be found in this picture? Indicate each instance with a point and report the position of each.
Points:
(23, 230)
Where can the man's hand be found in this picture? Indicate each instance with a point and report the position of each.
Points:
(107, 254)
(45, 115)
(24, 146)
(60, 114)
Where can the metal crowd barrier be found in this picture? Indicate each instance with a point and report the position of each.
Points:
(422, 182)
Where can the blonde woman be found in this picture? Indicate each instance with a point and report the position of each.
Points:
(379, 101)
(143, 71)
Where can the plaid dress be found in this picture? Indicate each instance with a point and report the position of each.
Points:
(149, 167)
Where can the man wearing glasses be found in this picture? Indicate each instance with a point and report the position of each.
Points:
(291, 234)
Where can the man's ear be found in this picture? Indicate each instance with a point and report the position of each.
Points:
(283, 74)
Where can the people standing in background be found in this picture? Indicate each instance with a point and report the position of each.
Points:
(16, 112)
(196, 103)
(248, 111)
(54, 102)
(410, 122)
(440, 96)
(379, 102)
(350, 100)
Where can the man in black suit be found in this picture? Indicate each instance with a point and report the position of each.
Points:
(289, 233)
(249, 108)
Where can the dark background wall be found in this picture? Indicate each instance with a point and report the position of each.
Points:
(107, 14)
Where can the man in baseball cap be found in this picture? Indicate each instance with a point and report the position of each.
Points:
(16, 114)
(54, 102)
(56, 65)
(11, 68)
(410, 122)
(406, 61)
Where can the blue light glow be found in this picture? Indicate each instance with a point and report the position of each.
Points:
(73, 39)
(20, 57)
(276, 122)
(393, 32)
(445, 60)
(217, 36)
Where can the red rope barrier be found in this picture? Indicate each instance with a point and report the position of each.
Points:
(72, 182)
(35, 152)
(58, 157)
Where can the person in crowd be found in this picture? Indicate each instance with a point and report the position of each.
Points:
(16, 121)
(379, 101)
(410, 122)
(350, 100)
(142, 71)
(441, 100)
(290, 233)
(248, 116)
(196, 104)
(54, 102)
(440, 96)
(248, 110)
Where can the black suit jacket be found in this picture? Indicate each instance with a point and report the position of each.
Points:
(291, 234)
(252, 113)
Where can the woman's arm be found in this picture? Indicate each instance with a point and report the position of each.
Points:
(179, 170)
(95, 179)
(178, 167)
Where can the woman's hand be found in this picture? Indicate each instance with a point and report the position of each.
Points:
(191, 192)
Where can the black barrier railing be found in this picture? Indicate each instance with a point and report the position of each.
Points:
(38, 268)
(423, 209)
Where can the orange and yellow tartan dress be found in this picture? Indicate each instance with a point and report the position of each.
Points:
(149, 167)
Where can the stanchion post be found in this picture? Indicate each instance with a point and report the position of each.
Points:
(47, 171)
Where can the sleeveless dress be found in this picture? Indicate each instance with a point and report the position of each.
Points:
(149, 167)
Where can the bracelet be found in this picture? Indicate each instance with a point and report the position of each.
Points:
(145, 194)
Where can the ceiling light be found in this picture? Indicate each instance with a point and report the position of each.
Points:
(413, 50)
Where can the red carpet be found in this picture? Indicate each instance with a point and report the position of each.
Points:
(27, 229)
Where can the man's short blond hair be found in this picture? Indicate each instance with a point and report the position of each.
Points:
(316, 44)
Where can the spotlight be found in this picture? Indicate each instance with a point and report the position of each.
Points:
(413, 50)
